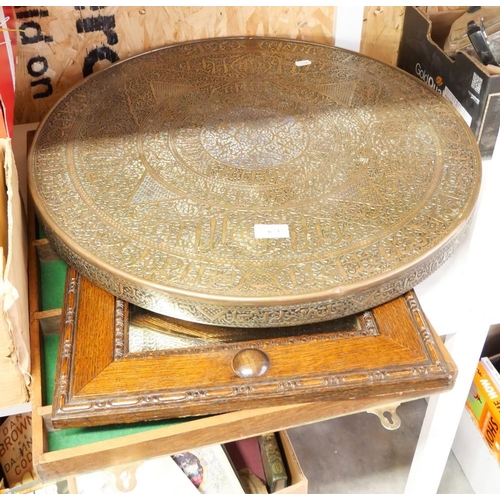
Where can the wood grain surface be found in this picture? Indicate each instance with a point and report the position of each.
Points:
(381, 33)
(393, 351)
(58, 46)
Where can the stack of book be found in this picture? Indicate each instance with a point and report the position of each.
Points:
(483, 403)
(259, 462)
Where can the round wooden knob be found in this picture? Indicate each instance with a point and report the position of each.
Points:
(250, 363)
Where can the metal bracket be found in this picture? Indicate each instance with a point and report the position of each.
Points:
(388, 416)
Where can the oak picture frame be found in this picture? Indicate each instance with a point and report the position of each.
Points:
(393, 350)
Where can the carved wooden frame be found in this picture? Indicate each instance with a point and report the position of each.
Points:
(98, 382)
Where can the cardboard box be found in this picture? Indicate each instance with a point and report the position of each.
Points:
(465, 82)
(483, 403)
(14, 321)
(298, 481)
(7, 64)
(14, 314)
(15, 450)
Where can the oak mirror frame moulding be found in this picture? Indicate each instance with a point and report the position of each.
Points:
(388, 350)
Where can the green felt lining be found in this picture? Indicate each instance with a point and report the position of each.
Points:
(52, 278)
(50, 346)
(68, 438)
(53, 275)
(40, 233)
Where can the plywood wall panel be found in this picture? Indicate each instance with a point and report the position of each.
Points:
(381, 34)
(58, 46)
(434, 8)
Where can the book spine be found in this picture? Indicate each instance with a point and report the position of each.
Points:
(492, 372)
(274, 466)
(489, 421)
(488, 384)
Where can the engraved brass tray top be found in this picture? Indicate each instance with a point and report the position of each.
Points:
(254, 182)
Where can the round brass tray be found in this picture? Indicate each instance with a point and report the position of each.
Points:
(253, 181)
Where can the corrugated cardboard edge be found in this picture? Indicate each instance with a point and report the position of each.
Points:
(14, 317)
(299, 483)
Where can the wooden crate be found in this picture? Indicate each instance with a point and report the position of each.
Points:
(106, 447)
(109, 446)
(297, 482)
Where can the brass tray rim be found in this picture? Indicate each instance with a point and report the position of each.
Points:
(331, 293)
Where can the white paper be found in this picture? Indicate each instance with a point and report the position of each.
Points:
(456, 104)
(263, 231)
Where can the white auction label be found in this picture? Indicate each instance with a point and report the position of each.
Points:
(271, 231)
(304, 62)
(447, 94)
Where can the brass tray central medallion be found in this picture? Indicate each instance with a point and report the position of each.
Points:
(254, 182)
